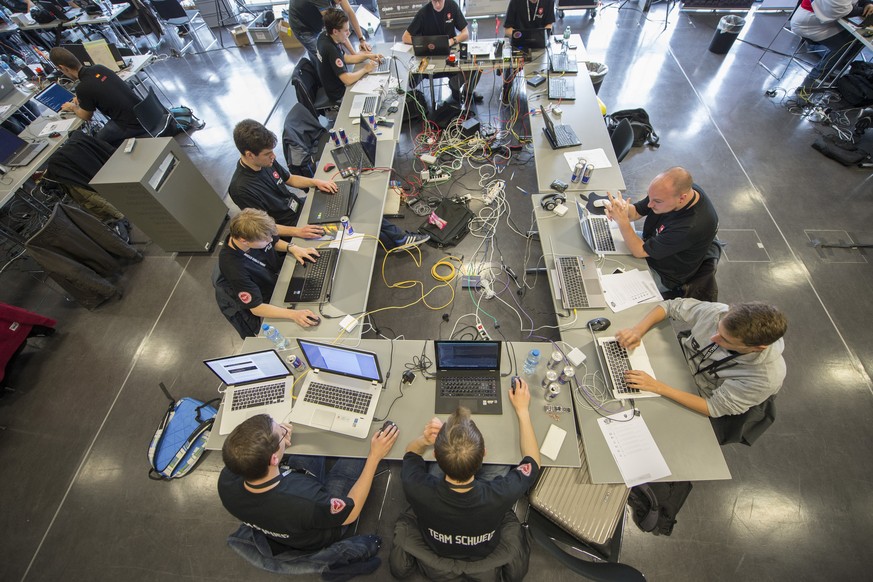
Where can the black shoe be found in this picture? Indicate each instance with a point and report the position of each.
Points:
(478, 98)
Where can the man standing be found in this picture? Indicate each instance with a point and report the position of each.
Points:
(100, 88)
(302, 507)
(679, 230)
(305, 20)
(529, 15)
(734, 354)
(332, 59)
(459, 515)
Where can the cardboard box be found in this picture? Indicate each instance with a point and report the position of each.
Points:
(240, 35)
(287, 37)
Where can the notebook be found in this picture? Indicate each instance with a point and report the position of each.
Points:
(430, 46)
(601, 234)
(341, 390)
(468, 374)
(356, 155)
(54, 96)
(312, 281)
(15, 152)
(578, 286)
(257, 383)
(559, 136)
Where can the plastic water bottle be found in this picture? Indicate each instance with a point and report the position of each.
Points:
(567, 33)
(273, 334)
(475, 27)
(370, 30)
(531, 363)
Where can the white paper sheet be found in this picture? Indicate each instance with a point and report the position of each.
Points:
(400, 47)
(596, 157)
(624, 290)
(350, 243)
(635, 452)
(59, 126)
(370, 84)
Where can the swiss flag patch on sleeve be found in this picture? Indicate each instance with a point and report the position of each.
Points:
(336, 505)
(245, 297)
(524, 469)
(340, 63)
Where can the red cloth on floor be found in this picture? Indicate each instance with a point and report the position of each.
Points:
(15, 326)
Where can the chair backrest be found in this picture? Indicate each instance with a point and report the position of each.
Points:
(622, 139)
(306, 83)
(152, 115)
(747, 427)
(168, 9)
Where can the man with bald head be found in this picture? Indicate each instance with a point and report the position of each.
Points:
(679, 230)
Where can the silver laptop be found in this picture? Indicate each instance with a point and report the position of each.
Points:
(578, 285)
(257, 383)
(6, 85)
(364, 105)
(341, 390)
(615, 361)
(601, 234)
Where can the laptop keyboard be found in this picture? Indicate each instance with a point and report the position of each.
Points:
(369, 105)
(384, 66)
(562, 89)
(565, 136)
(338, 397)
(618, 364)
(468, 387)
(315, 275)
(564, 64)
(258, 396)
(571, 275)
(602, 234)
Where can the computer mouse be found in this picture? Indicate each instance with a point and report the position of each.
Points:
(55, 134)
(515, 383)
(388, 424)
(328, 167)
(313, 319)
(599, 324)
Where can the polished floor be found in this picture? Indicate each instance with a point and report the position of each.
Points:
(76, 501)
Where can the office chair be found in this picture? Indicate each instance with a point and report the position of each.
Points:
(307, 85)
(157, 119)
(622, 139)
(171, 12)
(747, 427)
(802, 47)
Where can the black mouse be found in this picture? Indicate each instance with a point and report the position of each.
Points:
(388, 424)
(315, 320)
(514, 383)
(599, 324)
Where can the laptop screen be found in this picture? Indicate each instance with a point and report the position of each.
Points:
(341, 360)
(550, 126)
(9, 144)
(535, 38)
(367, 138)
(467, 355)
(248, 368)
(54, 97)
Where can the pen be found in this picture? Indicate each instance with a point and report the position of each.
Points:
(523, 191)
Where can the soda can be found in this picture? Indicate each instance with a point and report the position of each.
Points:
(555, 360)
(566, 375)
(551, 376)
(372, 120)
(335, 137)
(297, 363)
(586, 173)
(577, 171)
(552, 392)
(343, 136)
(347, 226)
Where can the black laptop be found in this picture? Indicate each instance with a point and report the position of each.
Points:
(15, 152)
(328, 208)
(431, 46)
(357, 154)
(311, 282)
(468, 374)
(526, 40)
(559, 136)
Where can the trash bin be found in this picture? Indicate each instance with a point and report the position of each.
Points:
(728, 30)
(597, 72)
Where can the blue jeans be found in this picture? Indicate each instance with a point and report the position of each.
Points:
(390, 234)
(309, 41)
(338, 481)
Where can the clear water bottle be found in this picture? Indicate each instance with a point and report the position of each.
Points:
(531, 363)
(273, 334)
(475, 29)
(567, 34)
(370, 30)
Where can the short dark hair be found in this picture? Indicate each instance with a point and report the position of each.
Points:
(459, 447)
(334, 19)
(248, 448)
(252, 136)
(62, 57)
(755, 324)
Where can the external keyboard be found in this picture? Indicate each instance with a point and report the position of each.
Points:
(602, 234)
(573, 287)
(468, 387)
(258, 395)
(338, 397)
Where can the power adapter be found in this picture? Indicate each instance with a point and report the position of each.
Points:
(470, 281)
(575, 357)
(348, 323)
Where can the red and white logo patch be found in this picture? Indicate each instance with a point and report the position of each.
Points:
(336, 505)
(275, 175)
(340, 63)
(245, 297)
(540, 11)
(448, 15)
(524, 469)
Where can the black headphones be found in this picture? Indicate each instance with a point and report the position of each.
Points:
(550, 201)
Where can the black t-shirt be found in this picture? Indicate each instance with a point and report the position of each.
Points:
(677, 242)
(252, 275)
(429, 22)
(463, 525)
(526, 15)
(331, 64)
(297, 513)
(100, 88)
(265, 190)
(305, 15)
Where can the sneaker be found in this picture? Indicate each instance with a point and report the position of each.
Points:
(478, 98)
(413, 240)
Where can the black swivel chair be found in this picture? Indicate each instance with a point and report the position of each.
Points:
(157, 119)
(171, 12)
(307, 85)
(622, 139)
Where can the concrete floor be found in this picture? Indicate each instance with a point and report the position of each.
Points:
(76, 500)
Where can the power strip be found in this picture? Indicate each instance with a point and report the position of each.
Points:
(487, 291)
(433, 176)
(427, 159)
(482, 333)
(492, 192)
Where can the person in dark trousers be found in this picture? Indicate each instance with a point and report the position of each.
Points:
(100, 88)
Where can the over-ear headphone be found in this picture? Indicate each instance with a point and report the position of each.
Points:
(550, 201)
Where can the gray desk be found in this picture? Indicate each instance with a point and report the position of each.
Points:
(415, 409)
(685, 438)
(15, 100)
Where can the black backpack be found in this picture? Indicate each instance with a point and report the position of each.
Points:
(644, 133)
(654, 505)
(856, 86)
(447, 224)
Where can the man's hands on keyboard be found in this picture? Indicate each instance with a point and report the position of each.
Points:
(303, 253)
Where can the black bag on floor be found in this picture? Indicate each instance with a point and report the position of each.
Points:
(844, 152)
(447, 224)
(856, 86)
(654, 505)
(644, 133)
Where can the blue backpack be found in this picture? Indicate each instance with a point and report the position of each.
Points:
(180, 439)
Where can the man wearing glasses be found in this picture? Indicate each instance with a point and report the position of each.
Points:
(734, 354)
(303, 507)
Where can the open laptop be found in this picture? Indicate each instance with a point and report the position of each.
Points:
(525, 40)
(328, 208)
(257, 383)
(563, 88)
(430, 46)
(562, 62)
(358, 154)
(602, 235)
(578, 286)
(559, 136)
(468, 374)
(311, 282)
(54, 96)
(15, 152)
(615, 361)
(7, 87)
(341, 390)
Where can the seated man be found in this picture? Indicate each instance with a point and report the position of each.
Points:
(679, 231)
(443, 17)
(734, 354)
(332, 59)
(299, 508)
(100, 88)
(250, 262)
(459, 515)
(817, 23)
(529, 15)
(305, 20)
